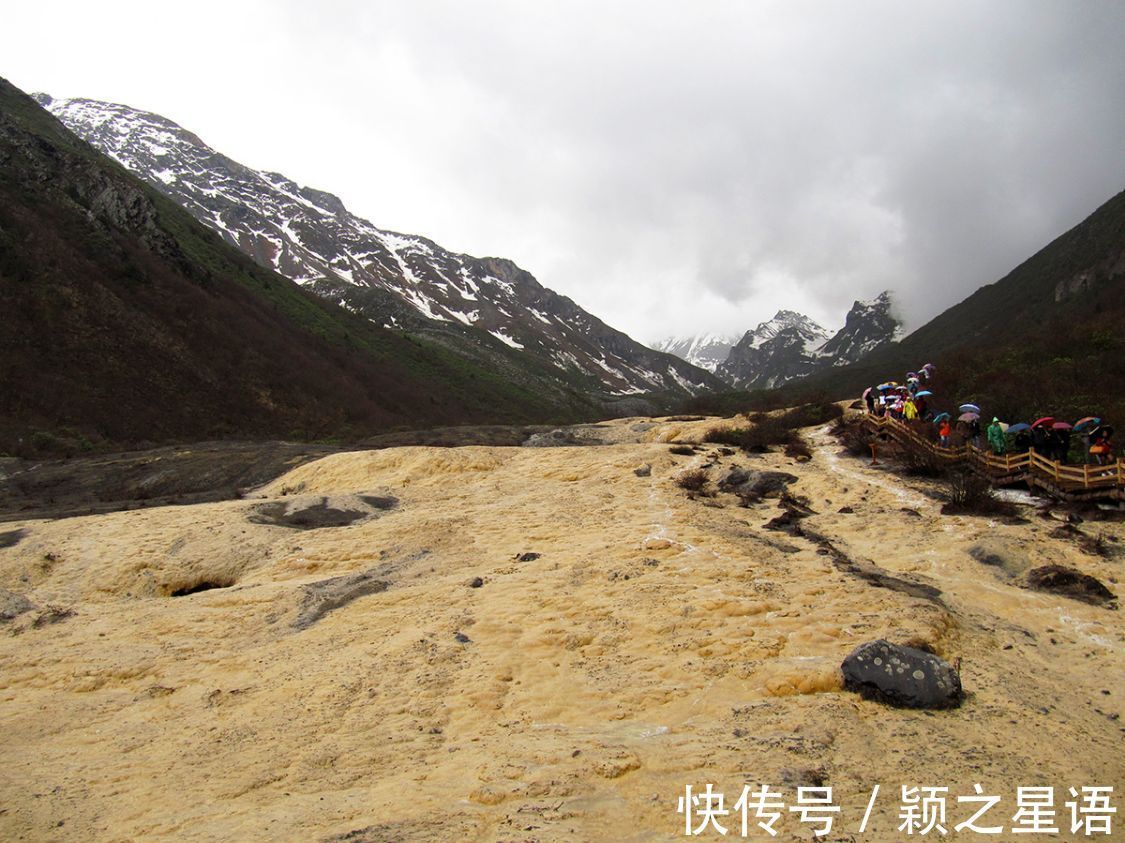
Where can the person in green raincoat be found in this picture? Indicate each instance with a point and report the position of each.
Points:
(996, 436)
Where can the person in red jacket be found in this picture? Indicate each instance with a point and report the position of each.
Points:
(944, 431)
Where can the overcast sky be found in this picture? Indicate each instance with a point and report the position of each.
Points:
(673, 167)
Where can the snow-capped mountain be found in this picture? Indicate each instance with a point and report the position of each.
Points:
(869, 324)
(792, 346)
(480, 306)
(777, 351)
(707, 351)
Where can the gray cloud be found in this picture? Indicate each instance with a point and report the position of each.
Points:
(671, 167)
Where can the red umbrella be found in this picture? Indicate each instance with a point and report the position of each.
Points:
(1060, 426)
(1044, 420)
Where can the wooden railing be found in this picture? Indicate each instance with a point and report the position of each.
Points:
(1008, 468)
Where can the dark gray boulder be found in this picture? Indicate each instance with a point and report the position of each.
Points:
(1070, 582)
(13, 605)
(756, 484)
(901, 676)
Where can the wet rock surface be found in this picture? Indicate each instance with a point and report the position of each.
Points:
(1009, 561)
(558, 438)
(871, 573)
(301, 515)
(320, 598)
(1070, 582)
(901, 676)
(10, 538)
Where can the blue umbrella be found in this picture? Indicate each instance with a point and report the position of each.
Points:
(1089, 421)
(940, 416)
(1016, 428)
(925, 393)
(969, 408)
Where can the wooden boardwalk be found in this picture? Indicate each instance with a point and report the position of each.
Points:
(1071, 482)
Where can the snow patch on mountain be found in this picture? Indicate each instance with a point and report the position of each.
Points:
(310, 236)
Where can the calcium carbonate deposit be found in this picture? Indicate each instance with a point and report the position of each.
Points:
(537, 644)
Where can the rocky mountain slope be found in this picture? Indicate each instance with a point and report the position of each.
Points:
(125, 320)
(476, 306)
(777, 351)
(868, 325)
(791, 346)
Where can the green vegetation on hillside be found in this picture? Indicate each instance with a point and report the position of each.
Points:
(127, 321)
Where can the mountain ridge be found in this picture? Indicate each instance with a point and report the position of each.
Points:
(791, 346)
(471, 305)
(127, 321)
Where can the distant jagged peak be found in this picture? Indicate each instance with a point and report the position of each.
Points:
(786, 321)
(882, 307)
(868, 325)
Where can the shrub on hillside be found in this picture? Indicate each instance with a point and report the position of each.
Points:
(920, 461)
(806, 415)
(798, 448)
(971, 494)
(693, 480)
(851, 434)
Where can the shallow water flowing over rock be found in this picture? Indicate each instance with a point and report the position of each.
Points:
(532, 643)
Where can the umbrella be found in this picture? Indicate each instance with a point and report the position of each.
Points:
(925, 393)
(1005, 427)
(1105, 430)
(968, 417)
(1044, 420)
(940, 416)
(867, 392)
(969, 408)
(912, 380)
(929, 367)
(1089, 421)
(1060, 426)
(1016, 428)
(910, 375)
(885, 386)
